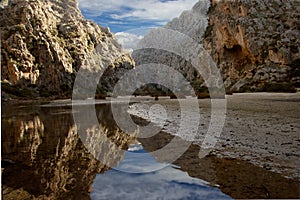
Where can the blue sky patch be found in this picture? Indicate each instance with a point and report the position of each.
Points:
(123, 16)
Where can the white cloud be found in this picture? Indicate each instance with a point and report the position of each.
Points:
(129, 41)
(140, 9)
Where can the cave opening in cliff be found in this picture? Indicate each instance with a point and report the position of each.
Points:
(236, 56)
(235, 51)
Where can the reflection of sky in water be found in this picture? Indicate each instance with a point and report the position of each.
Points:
(166, 183)
(137, 160)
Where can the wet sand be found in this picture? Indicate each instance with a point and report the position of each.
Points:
(262, 129)
(236, 178)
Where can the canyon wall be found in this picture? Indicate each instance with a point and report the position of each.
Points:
(45, 43)
(255, 43)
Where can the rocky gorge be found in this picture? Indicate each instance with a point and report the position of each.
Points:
(255, 45)
(72, 148)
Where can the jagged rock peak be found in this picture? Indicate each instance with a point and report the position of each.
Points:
(67, 3)
(192, 22)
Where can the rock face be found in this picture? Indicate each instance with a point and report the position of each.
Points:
(255, 43)
(45, 43)
(189, 27)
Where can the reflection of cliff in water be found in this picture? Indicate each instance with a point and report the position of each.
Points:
(42, 154)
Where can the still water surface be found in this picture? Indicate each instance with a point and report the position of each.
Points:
(43, 156)
(166, 183)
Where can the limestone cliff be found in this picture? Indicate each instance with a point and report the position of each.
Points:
(255, 43)
(45, 43)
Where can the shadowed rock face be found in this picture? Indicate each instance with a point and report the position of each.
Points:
(45, 43)
(43, 156)
(255, 43)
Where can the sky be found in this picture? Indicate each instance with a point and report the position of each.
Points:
(131, 19)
